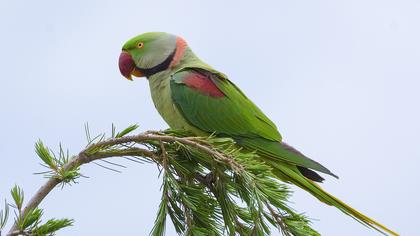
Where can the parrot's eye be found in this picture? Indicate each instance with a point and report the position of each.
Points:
(140, 45)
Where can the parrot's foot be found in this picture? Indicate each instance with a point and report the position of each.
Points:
(207, 180)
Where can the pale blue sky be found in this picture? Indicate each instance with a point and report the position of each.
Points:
(339, 78)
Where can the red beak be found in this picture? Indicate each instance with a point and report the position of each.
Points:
(127, 66)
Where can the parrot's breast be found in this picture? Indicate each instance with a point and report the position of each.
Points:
(162, 99)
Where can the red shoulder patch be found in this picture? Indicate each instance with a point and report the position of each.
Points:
(203, 84)
(181, 45)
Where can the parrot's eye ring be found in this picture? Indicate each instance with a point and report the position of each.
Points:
(140, 45)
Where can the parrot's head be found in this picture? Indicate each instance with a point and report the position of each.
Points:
(150, 53)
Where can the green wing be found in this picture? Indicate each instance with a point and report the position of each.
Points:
(231, 114)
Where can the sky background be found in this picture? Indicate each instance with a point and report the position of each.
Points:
(339, 78)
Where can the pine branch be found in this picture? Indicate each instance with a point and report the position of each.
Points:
(210, 187)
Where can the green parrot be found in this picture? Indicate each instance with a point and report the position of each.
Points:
(191, 95)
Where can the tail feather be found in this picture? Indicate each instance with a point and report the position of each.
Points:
(286, 173)
(310, 174)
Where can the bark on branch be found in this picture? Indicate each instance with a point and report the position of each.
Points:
(83, 158)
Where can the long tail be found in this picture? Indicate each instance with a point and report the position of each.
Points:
(284, 172)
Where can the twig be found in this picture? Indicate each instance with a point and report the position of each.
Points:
(279, 220)
(190, 141)
(19, 232)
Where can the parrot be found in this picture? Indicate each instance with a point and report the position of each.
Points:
(191, 95)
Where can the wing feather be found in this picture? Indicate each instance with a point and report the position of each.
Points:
(231, 114)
